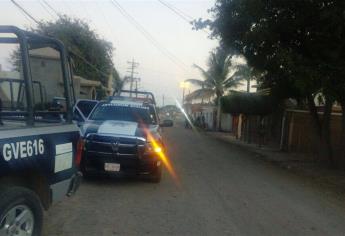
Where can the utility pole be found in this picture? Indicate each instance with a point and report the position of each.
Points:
(163, 101)
(248, 85)
(136, 85)
(131, 70)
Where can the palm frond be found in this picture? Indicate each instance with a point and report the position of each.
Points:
(218, 74)
(207, 76)
(227, 65)
(200, 93)
(196, 82)
(233, 82)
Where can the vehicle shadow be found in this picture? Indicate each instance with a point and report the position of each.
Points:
(117, 180)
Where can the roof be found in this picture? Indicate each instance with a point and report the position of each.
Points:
(47, 52)
(87, 83)
(9, 75)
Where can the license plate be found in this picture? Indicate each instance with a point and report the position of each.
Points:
(114, 167)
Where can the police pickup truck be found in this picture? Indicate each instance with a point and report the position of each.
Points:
(39, 154)
(122, 135)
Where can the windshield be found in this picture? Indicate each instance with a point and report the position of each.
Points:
(107, 111)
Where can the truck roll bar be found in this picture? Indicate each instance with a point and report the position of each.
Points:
(148, 95)
(24, 38)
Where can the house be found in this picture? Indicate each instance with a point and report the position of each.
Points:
(49, 59)
(85, 89)
(208, 111)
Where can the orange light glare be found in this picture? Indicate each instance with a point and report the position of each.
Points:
(158, 149)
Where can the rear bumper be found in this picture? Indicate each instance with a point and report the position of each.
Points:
(74, 184)
(65, 188)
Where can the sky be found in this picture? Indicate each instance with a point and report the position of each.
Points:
(164, 61)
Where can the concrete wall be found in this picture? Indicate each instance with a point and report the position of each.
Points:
(300, 135)
(209, 119)
(262, 130)
(226, 122)
(5, 91)
(49, 73)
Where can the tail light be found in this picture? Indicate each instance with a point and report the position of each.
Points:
(80, 147)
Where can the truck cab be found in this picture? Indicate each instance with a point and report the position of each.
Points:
(39, 144)
(122, 135)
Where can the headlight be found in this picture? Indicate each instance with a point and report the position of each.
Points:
(150, 147)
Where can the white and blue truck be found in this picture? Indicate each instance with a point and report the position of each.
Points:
(40, 147)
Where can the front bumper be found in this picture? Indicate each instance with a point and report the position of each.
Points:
(95, 164)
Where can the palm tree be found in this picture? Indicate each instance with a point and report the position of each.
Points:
(249, 73)
(218, 79)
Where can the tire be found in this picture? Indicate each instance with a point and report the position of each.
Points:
(87, 176)
(19, 200)
(156, 175)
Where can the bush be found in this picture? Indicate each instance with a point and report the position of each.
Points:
(249, 104)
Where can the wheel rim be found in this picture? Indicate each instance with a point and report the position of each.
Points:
(18, 221)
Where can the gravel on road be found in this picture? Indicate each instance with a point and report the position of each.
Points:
(223, 190)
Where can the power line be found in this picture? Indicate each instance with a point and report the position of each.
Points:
(179, 10)
(25, 12)
(26, 17)
(176, 11)
(51, 8)
(105, 18)
(87, 13)
(148, 36)
(139, 27)
(45, 8)
(180, 13)
(70, 8)
(70, 50)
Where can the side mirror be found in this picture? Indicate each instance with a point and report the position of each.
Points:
(167, 123)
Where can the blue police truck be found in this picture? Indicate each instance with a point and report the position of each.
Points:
(39, 145)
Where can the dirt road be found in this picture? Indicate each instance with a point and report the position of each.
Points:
(223, 190)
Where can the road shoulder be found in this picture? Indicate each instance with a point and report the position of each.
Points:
(317, 173)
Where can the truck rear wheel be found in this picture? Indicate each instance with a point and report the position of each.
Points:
(21, 212)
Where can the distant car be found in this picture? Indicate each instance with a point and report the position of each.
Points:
(168, 123)
(122, 135)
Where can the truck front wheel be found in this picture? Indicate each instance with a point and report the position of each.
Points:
(156, 175)
(21, 212)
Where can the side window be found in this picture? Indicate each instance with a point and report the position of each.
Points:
(13, 106)
(48, 84)
(84, 108)
(153, 114)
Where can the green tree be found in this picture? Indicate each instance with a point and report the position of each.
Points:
(298, 44)
(217, 79)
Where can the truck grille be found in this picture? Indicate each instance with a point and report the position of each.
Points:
(114, 146)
